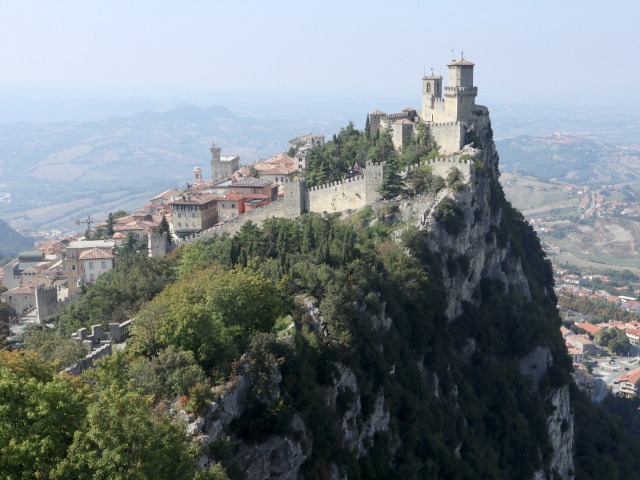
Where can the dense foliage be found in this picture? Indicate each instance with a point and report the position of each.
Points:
(338, 157)
(600, 309)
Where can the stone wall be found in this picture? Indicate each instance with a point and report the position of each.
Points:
(338, 196)
(87, 363)
(442, 165)
(449, 136)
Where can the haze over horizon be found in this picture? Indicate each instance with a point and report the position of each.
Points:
(248, 51)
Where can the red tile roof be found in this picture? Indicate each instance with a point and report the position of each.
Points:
(588, 327)
(95, 254)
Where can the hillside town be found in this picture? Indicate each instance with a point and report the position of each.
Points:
(40, 282)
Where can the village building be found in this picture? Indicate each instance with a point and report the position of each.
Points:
(629, 385)
(309, 140)
(93, 263)
(26, 261)
(192, 214)
(167, 196)
(582, 344)
(252, 185)
(74, 265)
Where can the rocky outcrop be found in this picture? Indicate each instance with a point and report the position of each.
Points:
(479, 253)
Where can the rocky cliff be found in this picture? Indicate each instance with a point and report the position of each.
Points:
(474, 388)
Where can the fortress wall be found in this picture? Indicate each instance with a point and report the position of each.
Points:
(442, 165)
(46, 300)
(449, 136)
(338, 196)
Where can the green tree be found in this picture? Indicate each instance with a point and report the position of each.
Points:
(60, 351)
(253, 171)
(6, 314)
(392, 182)
(211, 313)
(39, 414)
(110, 223)
(123, 439)
(164, 227)
(132, 246)
(614, 339)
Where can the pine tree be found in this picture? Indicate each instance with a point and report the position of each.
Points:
(392, 182)
(110, 223)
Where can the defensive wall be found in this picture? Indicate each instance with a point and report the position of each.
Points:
(449, 136)
(441, 166)
(98, 344)
(347, 194)
(87, 363)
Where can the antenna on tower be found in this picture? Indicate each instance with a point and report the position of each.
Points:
(453, 46)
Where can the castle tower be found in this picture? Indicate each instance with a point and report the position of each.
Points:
(197, 176)
(432, 86)
(375, 119)
(460, 94)
(432, 103)
(215, 162)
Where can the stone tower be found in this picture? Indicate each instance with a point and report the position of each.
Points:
(432, 86)
(197, 176)
(432, 102)
(215, 162)
(460, 94)
(373, 180)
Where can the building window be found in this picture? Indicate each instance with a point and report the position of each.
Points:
(179, 224)
(233, 205)
(73, 267)
(90, 265)
(104, 265)
(179, 214)
(193, 215)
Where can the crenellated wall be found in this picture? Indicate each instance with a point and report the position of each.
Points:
(349, 193)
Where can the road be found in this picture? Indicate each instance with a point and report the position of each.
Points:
(607, 374)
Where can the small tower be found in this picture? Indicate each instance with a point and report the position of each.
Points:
(197, 176)
(432, 86)
(432, 103)
(216, 173)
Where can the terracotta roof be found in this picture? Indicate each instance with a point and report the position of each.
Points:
(278, 170)
(588, 327)
(94, 254)
(119, 235)
(632, 376)
(29, 270)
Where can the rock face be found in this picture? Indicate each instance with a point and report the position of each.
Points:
(476, 244)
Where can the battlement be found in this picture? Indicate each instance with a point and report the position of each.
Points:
(454, 90)
(399, 116)
(336, 183)
(442, 124)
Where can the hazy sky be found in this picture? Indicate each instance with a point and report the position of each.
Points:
(554, 51)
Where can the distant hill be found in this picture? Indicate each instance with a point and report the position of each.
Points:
(569, 158)
(11, 242)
